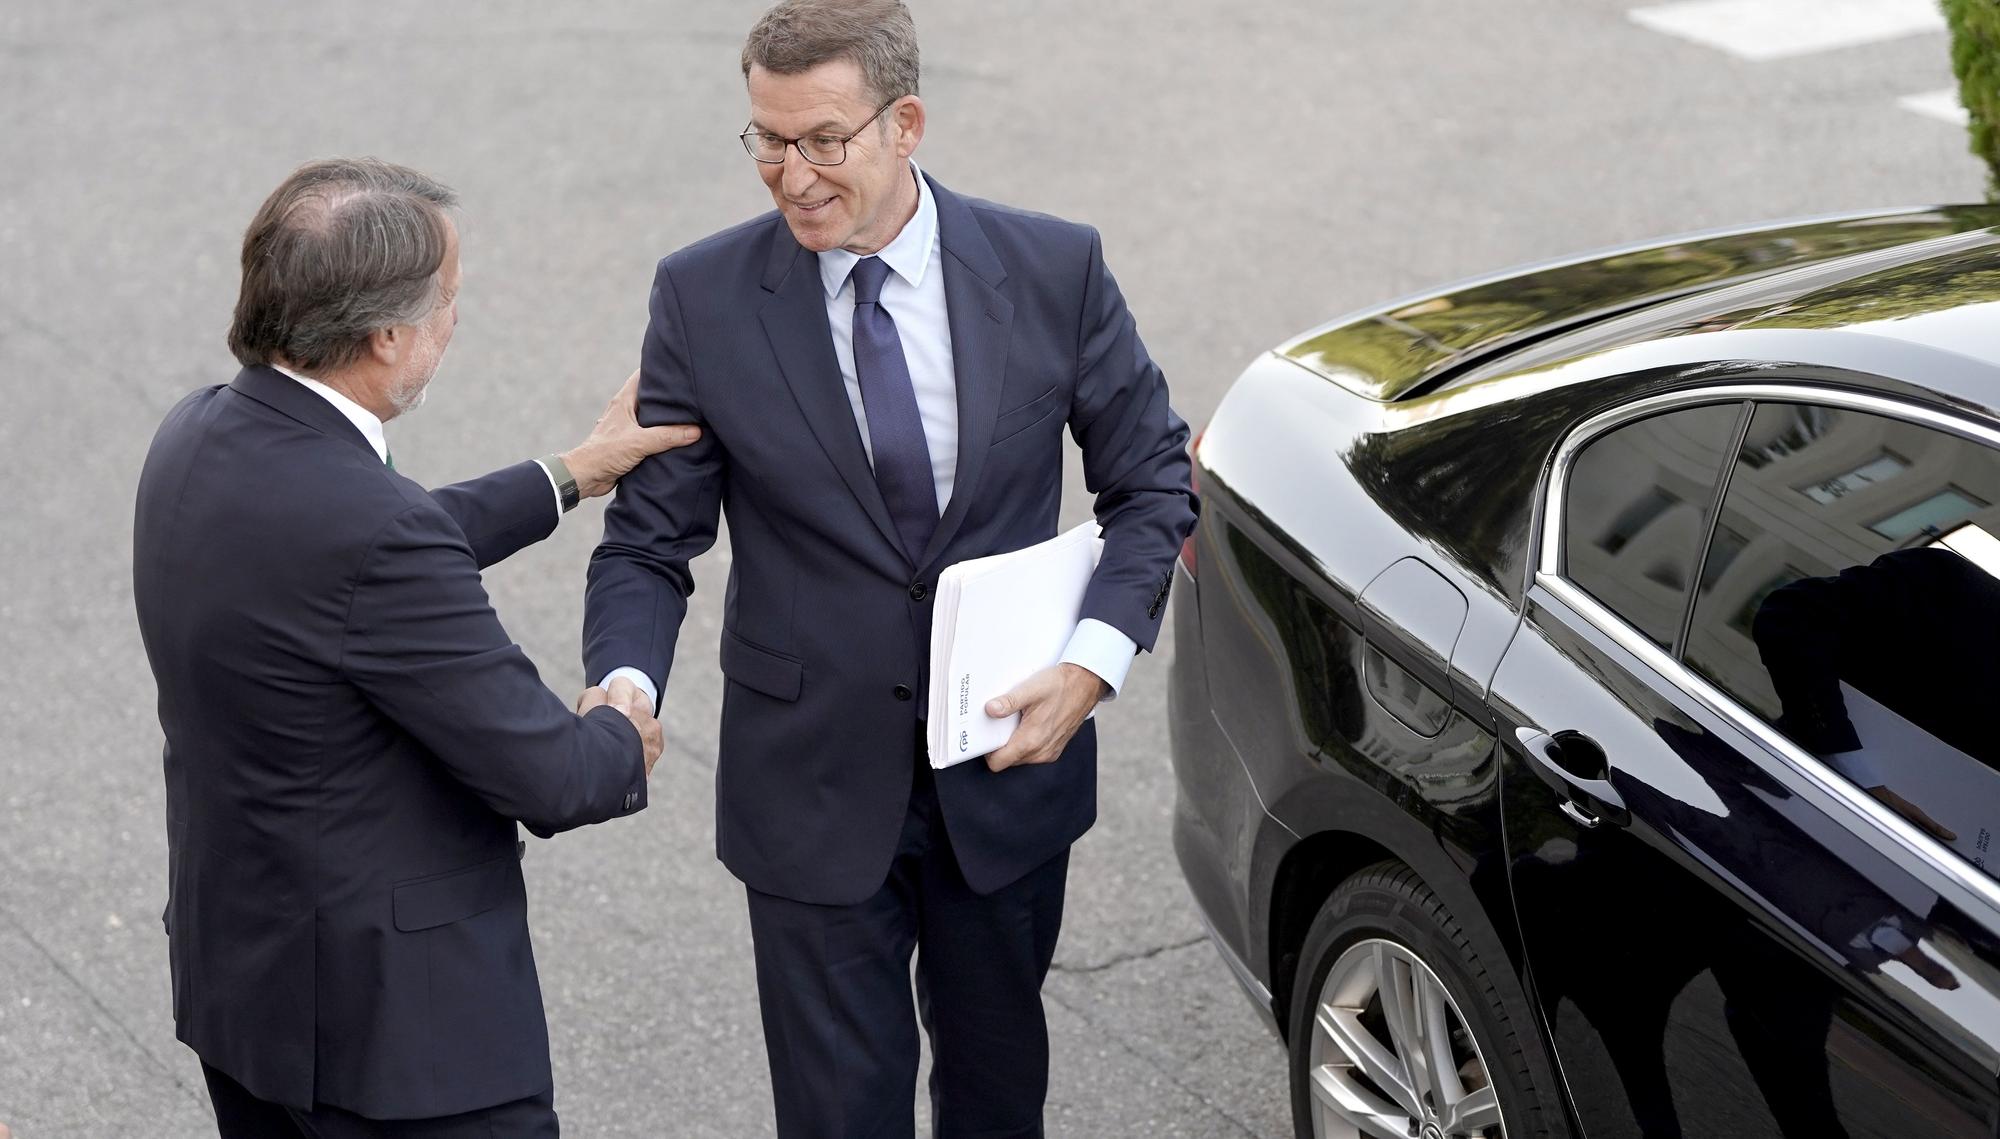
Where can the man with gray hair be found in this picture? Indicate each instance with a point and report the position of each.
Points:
(351, 737)
(884, 371)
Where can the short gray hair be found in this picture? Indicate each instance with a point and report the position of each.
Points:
(878, 35)
(342, 248)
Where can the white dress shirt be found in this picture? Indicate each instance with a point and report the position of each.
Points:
(363, 419)
(913, 295)
(371, 428)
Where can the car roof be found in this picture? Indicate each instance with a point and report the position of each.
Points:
(1925, 275)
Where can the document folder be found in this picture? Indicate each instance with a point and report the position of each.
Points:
(999, 620)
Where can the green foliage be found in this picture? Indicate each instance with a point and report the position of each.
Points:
(1975, 57)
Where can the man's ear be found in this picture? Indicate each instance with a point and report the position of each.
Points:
(909, 126)
(386, 345)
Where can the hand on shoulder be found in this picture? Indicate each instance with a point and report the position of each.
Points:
(617, 443)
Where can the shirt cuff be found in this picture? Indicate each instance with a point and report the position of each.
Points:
(1103, 650)
(555, 488)
(644, 682)
(1886, 935)
(1858, 768)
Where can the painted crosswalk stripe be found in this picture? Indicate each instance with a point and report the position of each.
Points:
(1937, 105)
(1777, 29)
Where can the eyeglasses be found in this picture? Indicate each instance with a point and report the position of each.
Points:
(818, 149)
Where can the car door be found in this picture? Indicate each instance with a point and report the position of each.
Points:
(1726, 934)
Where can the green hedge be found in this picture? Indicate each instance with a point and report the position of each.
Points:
(1975, 57)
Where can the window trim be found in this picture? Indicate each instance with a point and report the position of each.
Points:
(1791, 763)
(1717, 494)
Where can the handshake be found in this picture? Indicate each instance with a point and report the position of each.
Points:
(626, 697)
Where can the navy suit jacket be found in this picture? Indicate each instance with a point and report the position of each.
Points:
(826, 625)
(1912, 629)
(350, 737)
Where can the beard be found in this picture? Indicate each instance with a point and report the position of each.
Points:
(408, 398)
(413, 385)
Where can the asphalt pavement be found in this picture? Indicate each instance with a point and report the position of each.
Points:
(1255, 169)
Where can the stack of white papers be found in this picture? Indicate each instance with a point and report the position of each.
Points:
(998, 621)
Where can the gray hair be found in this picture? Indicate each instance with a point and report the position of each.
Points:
(878, 35)
(343, 248)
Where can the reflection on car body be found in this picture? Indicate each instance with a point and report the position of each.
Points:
(1582, 686)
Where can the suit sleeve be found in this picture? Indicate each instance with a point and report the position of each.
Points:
(503, 512)
(1816, 632)
(664, 514)
(1135, 461)
(1799, 634)
(425, 647)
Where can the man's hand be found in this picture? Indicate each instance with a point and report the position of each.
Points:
(1914, 813)
(1053, 704)
(618, 443)
(626, 697)
(1928, 967)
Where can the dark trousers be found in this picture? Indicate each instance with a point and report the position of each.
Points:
(834, 983)
(240, 1115)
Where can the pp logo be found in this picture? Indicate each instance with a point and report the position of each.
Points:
(964, 741)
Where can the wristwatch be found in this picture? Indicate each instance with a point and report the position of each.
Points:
(565, 482)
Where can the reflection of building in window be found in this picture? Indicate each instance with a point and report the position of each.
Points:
(1933, 515)
(1637, 513)
(1652, 502)
(1881, 468)
(1783, 437)
(1722, 551)
(1816, 490)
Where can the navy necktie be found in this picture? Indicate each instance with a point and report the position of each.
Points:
(895, 427)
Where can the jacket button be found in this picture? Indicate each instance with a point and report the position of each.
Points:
(918, 592)
(903, 692)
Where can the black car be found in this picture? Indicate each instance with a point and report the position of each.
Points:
(1586, 697)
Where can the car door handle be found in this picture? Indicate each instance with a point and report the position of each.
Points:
(1581, 769)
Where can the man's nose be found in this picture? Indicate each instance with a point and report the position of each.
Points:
(799, 174)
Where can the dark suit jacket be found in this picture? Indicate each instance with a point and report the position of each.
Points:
(1913, 629)
(350, 737)
(826, 625)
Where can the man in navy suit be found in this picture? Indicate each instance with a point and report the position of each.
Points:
(351, 736)
(883, 371)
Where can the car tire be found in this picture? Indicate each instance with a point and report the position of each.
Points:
(1384, 921)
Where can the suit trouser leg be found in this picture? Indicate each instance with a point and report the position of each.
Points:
(981, 961)
(834, 986)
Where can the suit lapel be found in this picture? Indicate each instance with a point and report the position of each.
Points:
(981, 320)
(794, 319)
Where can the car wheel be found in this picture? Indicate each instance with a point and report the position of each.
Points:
(1396, 1032)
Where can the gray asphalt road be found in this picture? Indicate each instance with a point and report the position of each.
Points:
(1255, 169)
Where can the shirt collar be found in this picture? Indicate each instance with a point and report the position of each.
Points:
(908, 255)
(364, 420)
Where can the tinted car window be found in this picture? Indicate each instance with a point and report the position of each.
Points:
(1857, 607)
(1637, 513)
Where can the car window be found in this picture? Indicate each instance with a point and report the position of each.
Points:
(1636, 513)
(1851, 599)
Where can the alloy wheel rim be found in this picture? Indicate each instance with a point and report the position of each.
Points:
(1391, 1055)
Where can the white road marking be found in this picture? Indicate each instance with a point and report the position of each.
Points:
(1942, 105)
(1778, 29)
